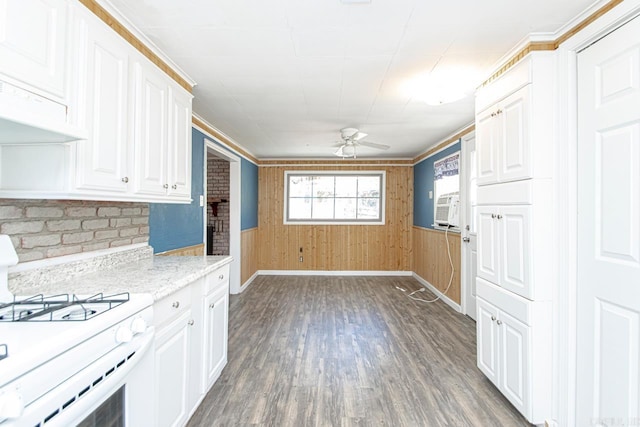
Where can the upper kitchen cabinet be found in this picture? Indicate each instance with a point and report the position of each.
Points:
(135, 121)
(32, 43)
(512, 114)
(102, 95)
(162, 135)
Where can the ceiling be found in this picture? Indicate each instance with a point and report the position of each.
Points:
(282, 77)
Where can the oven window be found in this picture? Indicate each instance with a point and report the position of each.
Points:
(110, 413)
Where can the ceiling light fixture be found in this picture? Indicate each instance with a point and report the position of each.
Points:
(443, 86)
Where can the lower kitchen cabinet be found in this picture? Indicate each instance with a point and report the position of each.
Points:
(172, 366)
(216, 312)
(512, 353)
(190, 346)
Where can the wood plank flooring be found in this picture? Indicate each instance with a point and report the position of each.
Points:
(349, 351)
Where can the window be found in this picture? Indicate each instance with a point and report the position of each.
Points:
(334, 197)
(446, 177)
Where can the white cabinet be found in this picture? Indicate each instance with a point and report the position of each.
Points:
(150, 136)
(190, 346)
(216, 312)
(32, 43)
(503, 143)
(504, 239)
(172, 366)
(515, 284)
(513, 350)
(132, 121)
(174, 320)
(179, 142)
(503, 347)
(162, 135)
(104, 101)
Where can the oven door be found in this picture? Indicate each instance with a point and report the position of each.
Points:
(115, 390)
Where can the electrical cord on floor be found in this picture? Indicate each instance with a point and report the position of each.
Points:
(446, 236)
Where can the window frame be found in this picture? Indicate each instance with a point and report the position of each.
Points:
(379, 221)
(435, 185)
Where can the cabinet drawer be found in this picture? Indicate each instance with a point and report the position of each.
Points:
(516, 306)
(216, 278)
(168, 308)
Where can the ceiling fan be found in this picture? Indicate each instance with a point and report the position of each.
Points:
(351, 139)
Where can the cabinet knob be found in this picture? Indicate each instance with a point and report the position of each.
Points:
(493, 215)
(498, 112)
(499, 216)
(220, 277)
(499, 322)
(125, 179)
(174, 186)
(466, 239)
(493, 318)
(176, 304)
(165, 186)
(212, 305)
(191, 322)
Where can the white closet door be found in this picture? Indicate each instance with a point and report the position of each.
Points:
(608, 300)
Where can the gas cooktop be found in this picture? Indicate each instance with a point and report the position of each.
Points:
(62, 307)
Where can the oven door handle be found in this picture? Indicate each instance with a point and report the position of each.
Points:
(89, 388)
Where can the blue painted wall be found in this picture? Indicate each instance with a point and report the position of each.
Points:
(176, 226)
(423, 174)
(249, 195)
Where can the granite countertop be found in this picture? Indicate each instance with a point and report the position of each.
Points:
(158, 276)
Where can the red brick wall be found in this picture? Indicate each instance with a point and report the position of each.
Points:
(218, 188)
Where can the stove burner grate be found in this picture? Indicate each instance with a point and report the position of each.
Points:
(44, 308)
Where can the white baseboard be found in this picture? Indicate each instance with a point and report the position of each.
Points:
(249, 281)
(332, 273)
(443, 297)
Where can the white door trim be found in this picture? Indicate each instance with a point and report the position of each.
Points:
(234, 209)
(464, 201)
(566, 212)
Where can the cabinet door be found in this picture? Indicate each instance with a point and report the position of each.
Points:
(172, 372)
(487, 337)
(514, 362)
(486, 147)
(514, 137)
(103, 102)
(515, 254)
(487, 244)
(216, 310)
(32, 42)
(179, 143)
(150, 130)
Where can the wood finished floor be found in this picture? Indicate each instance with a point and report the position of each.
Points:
(349, 351)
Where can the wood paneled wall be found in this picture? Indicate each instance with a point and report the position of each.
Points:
(431, 262)
(336, 247)
(249, 254)
(196, 250)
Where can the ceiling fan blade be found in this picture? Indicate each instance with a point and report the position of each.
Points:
(339, 152)
(374, 145)
(359, 135)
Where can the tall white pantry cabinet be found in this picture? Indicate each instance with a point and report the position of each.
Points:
(514, 119)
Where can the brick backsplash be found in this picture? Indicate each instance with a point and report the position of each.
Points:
(218, 188)
(50, 228)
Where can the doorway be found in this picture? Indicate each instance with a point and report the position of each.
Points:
(468, 187)
(222, 207)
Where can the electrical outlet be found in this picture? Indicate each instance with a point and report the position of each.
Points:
(300, 259)
(201, 200)
(430, 194)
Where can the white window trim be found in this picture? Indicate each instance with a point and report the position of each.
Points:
(383, 197)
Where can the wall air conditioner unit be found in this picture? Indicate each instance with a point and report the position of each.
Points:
(448, 210)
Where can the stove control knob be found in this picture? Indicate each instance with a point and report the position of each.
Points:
(138, 325)
(11, 404)
(123, 334)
